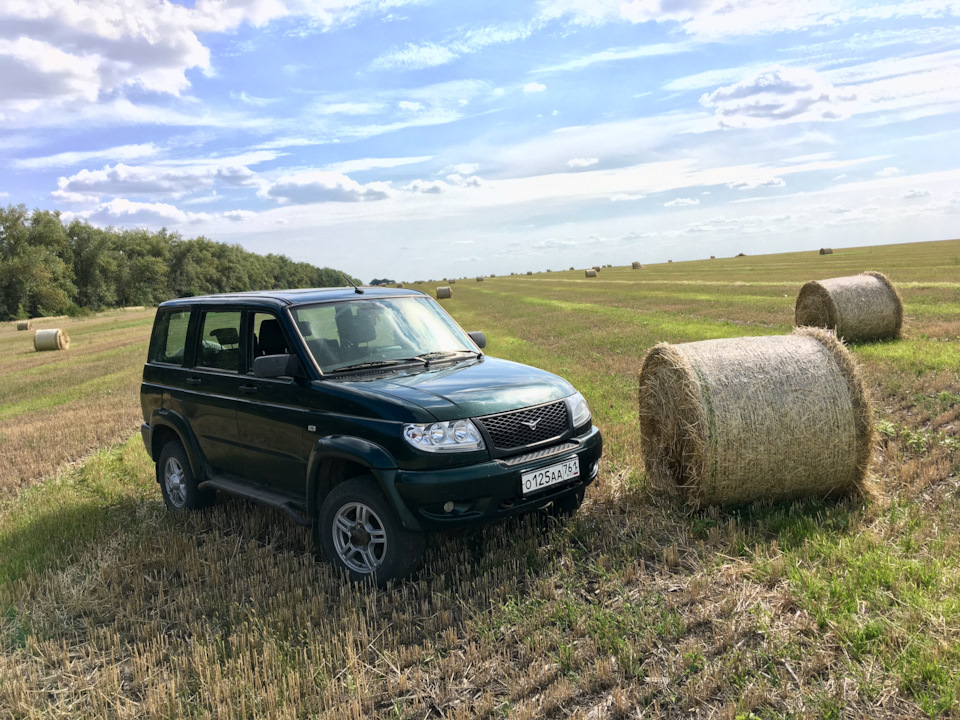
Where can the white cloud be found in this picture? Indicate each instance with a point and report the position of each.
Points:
(582, 162)
(682, 202)
(316, 186)
(174, 179)
(751, 183)
(915, 193)
(887, 172)
(626, 197)
(66, 159)
(414, 57)
(409, 106)
(778, 95)
(434, 187)
(362, 164)
(618, 55)
(532, 87)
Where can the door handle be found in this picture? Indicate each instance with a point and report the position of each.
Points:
(249, 389)
(194, 381)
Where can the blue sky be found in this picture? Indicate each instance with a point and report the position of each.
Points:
(430, 138)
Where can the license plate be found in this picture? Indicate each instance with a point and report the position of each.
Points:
(535, 480)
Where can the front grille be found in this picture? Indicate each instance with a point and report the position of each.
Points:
(512, 430)
(540, 454)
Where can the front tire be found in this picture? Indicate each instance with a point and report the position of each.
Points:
(177, 481)
(359, 533)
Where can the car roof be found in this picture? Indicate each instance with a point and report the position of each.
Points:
(285, 298)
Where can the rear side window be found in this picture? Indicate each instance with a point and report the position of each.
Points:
(219, 341)
(170, 337)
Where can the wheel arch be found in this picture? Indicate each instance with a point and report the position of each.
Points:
(338, 458)
(171, 426)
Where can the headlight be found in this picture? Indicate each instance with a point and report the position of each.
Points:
(450, 436)
(578, 409)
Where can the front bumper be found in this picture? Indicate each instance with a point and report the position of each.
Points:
(491, 490)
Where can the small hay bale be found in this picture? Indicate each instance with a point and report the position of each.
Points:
(741, 254)
(444, 292)
(826, 251)
(669, 261)
(635, 265)
(573, 268)
(23, 324)
(590, 273)
(713, 257)
(597, 268)
(529, 272)
(859, 307)
(725, 422)
(453, 281)
(479, 278)
(52, 339)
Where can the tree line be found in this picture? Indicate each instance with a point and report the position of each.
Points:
(48, 268)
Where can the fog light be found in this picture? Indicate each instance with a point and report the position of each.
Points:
(448, 506)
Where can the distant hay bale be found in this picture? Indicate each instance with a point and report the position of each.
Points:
(399, 286)
(444, 292)
(597, 268)
(529, 272)
(713, 257)
(826, 251)
(741, 254)
(453, 281)
(725, 422)
(859, 307)
(23, 324)
(479, 278)
(573, 268)
(669, 261)
(590, 273)
(636, 265)
(52, 339)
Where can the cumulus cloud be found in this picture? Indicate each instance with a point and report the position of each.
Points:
(434, 187)
(582, 162)
(778, 95)
(533, 87)
(916, 193)
(317, 186)
(173, 181)
(681, 202)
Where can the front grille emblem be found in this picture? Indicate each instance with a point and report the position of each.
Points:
(532, 424)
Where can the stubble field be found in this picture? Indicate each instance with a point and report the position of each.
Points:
(111, 607)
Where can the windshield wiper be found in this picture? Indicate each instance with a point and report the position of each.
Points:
(380, 363)
(441, 354)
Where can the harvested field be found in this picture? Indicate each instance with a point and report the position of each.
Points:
(110, 607)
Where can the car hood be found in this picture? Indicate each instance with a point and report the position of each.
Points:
(468, 389)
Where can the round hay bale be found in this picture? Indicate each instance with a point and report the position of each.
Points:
(453, 281)
(590, 273)
(597, 268)
(859, 307)
(826, 251)
(23, 324)
(479, 278)
(52, 339)
(713, 257)
(635, 265)
(731, 421)
(443, 293)
(529, 272)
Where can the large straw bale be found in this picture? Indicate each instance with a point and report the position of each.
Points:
(590, 273)
(23, 324)
(636, 265)
(859, 307)
(453, 281)
(731, 421)
(444, 292)
(479, 278)
(52, 339)
(826, 251)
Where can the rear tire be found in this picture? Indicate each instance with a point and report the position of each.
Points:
(177, 481)
(360, 534)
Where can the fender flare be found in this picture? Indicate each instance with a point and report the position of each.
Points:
(376, 459)
(179, 425)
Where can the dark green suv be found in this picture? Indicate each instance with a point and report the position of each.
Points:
(369, 414)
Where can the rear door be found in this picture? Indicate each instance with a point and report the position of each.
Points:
(211, 386)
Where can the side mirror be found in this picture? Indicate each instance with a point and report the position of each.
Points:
(274, 366)
(479, 338)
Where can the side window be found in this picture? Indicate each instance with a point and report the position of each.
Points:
(170, 337)
(268, 338)
(219, 341)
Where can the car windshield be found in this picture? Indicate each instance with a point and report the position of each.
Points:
(379, 332)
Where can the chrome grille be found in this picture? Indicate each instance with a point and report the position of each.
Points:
(529, 426)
